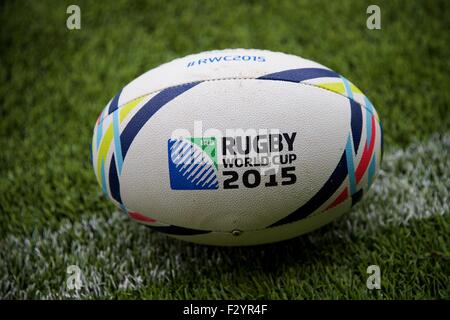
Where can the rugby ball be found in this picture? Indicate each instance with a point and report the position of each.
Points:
(237, 147)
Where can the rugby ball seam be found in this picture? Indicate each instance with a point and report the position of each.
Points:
(165, 224)
(229, 79)
(231, 50)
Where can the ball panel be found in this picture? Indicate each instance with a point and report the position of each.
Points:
(287, 108)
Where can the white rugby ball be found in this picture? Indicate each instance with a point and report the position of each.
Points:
(237, 147)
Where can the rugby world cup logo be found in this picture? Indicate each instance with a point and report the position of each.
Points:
(193, 163)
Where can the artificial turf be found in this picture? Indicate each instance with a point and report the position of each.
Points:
(54, 82)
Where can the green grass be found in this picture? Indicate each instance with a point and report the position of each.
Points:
(54, 82)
